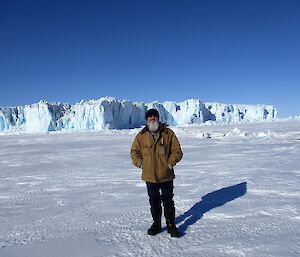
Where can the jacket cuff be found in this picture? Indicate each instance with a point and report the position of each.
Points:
(171, 162)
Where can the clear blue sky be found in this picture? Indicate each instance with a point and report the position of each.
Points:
(243, 51)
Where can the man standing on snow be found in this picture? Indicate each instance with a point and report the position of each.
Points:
(156, 150)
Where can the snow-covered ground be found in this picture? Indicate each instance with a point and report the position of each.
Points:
(77, 194)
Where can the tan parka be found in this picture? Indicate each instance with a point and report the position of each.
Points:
(157, 155)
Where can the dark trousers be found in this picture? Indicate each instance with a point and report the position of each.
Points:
(166, 196)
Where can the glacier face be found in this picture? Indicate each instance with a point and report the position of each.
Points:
(110, 113)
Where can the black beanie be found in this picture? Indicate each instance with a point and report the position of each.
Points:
(151, 112)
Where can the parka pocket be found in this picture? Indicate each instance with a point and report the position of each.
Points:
(161, 150)
(145, 152)
(164, 171)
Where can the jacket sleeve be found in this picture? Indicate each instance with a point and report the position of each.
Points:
(175, 154)
(135, 153)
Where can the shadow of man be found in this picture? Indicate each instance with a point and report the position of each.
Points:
(208, 202)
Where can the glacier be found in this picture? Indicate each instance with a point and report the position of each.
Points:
(110, 113)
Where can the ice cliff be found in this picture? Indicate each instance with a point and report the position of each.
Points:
(110, 113)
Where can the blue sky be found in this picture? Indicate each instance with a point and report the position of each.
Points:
(225, 51)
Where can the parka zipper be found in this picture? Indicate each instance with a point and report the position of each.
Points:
(154, 156)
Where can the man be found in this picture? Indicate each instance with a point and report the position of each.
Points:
(156, 150)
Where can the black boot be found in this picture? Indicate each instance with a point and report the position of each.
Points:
(172, 229)
(170, 220)
(156, 225)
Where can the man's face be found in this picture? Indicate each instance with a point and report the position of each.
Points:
(152, 119)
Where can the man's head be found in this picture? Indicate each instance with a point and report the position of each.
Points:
(152, 117)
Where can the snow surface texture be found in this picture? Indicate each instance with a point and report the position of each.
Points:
(109, 113)
(77, 194)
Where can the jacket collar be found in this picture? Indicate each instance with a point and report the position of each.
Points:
(162, 128)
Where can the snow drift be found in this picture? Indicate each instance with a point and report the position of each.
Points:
(110, 113)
